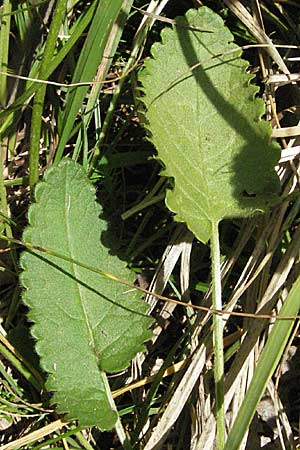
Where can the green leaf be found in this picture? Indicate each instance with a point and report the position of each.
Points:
(206, 124)
(84, 324)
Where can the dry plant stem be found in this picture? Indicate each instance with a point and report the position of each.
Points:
(180, 396)
(113, 277)
(266, 304)
(245, 17)
(218, 334)
(35, 435)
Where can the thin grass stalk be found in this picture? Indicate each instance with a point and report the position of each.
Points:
(83, 441)
(218, 334)
(143, 415)
(143, 204)
(4, 48)
(266, 366)
(106, 15)
(138, 44)
(37, 112)
(112, 43)
(75, 33)
(3, 200)
(180, 396)
(35, 435)
(36, 123)
(6, 377)
(5, 212)
(4, 39)
(122, 435)
(15, 300)
(60, 437)
(33, 379)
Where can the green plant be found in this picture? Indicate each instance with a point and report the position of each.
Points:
(205, 122)
(68, 86)
(78, 315)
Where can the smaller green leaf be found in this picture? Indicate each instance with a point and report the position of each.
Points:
(205, 122)
(84, 324)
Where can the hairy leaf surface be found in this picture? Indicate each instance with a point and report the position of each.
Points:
(206, 124)
(85, 324)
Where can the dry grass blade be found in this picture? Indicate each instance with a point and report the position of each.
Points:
(35, 435)
(241, 12)
(179, 398)
(286, 132)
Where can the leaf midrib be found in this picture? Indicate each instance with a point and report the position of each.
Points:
(76, 272)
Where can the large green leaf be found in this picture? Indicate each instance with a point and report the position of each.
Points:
(206, 124)
(84, 324)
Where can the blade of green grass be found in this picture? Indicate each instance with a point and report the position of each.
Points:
(6, 376)
(267, 363)
(90, 57)
(32, 86)
(60, 437)
(110, 49)
(4, 39)
(21, 365)
(23, 18)
(138, 44)
(5, 212)
(38, 105)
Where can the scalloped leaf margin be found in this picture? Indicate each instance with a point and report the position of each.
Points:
(205, 122)
(84, 324)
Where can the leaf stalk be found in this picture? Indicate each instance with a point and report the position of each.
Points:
(218, 334)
